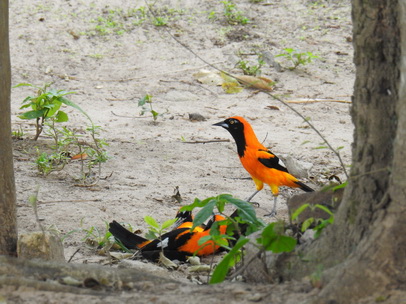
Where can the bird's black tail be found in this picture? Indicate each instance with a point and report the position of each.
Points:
(304, 187)
(126, 237)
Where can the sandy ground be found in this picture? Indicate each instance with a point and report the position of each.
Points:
(111, 66)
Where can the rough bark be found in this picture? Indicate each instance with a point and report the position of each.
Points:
(363, 254)
(8, 227)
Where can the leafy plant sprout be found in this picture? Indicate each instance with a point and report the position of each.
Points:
(297, 58)
(69, 144)
(248, 69)
(45, 105)
(46, 110)
(155, 232)
(232, 14)
(146, 106)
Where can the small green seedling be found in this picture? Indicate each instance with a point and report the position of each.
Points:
(69, 145)
(319, 223)
(18, 134)
(47, 163)
(232, 14)
(297, 58)
(46, 105)
(146, 104)
(160, 21)
(98, 238)
(156, 230)
(252, 70)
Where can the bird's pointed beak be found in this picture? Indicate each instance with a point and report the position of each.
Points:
(221, 124)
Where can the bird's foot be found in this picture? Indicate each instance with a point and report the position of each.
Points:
(255, 204)
(272, 213)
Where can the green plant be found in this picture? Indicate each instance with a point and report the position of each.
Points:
(146, 106)
(318, 223)
(47, 163)
(253, 70)
(45, 105)
(272, 237)
(232, 14)
(98, 238)
(68, 145)
(160, 21)
(156, 230)
(18, 134)
(297, 58)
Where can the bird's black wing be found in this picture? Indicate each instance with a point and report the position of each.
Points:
(270, 160)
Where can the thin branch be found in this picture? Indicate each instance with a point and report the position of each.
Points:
(206, 141)
(313, 100)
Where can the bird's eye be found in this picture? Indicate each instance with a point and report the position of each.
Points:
(233, 121)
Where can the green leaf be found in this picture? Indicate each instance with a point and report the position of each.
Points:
(204, 239)
(343, 185)
(151, 235)
(283, 243)
(268, 235)
(73, 105)
(61, 117)
(27, 105)
(204, 214)
(306, 224)
(146, 99)
(32, 114)
(154, 114)
(168, 223)
(220, 272)
(53, 107)
(324, 208)
(23, 85)
(246, 210)
(196, 204)
(151, 221)
(272, 238)
(299, 211)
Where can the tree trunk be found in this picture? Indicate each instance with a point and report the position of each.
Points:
(8, 227)
(364, 252)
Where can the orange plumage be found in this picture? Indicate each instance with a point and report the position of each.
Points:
(176, 244)
(260, 163)
(208, 247)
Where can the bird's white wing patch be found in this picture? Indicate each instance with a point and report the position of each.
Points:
(163, 244)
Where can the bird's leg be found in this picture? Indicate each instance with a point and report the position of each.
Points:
(250, 198)
(273, 212)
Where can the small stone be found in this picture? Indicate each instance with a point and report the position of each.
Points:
(256, 297)
(297, 168)
(196, 117)
(45, 246)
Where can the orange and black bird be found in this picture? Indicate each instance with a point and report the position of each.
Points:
(176, 244)
(261, 163)
(134, 241)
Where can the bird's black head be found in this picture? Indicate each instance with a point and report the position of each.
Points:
(235, 126)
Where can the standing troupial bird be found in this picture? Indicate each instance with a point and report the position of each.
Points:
(261, 164)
